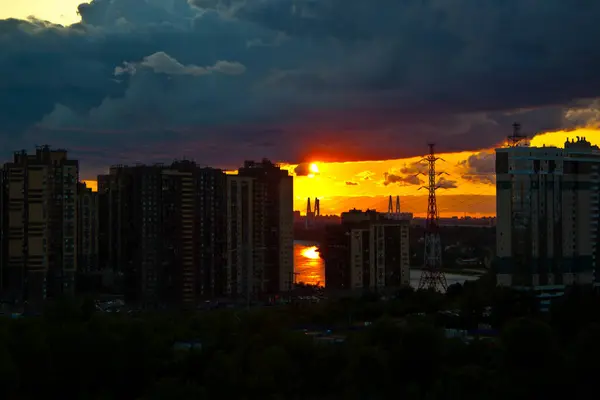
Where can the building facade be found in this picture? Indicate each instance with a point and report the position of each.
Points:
(244, 268)
(273, 224)
(368, 251)
(547, 216)
(131, 199)
(210, 227)
(163, 231)
(87, 226)
(39, 240)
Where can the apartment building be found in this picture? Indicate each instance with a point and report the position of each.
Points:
(368, 251)
(244, 266)
(164, 232)
(131, 234)
(39, 225)
(207, 201)
(210, 227)
(547, 216)
(87, 226)
(273, 223)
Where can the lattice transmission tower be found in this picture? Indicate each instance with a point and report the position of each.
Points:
(432, 276)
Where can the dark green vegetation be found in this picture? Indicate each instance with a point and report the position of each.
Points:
(74, 352)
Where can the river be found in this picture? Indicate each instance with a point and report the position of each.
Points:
(310, 267)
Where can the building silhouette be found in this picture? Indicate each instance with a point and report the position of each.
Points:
(209, 213)
(164, 233)
(273, 224)
(547, 216)
(87, 230)
(367, 251)
(39, 225)
(244, 267)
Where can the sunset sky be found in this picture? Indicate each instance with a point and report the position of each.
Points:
(57, 11)
(469, 187)
(336, 83)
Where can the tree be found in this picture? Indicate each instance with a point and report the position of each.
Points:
(88, 308)
(532, 361)
(584, 353)
(175, 389)
(454, 291)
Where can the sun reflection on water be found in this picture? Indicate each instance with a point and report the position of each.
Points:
(308, 265)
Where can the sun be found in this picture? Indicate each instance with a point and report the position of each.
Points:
(313, 170)
(311, 253)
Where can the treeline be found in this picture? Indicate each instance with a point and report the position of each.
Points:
(73, 352)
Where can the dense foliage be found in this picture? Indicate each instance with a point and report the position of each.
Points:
(74, 352)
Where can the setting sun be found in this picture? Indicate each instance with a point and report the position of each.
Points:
(311, 252)
(470, 182)
(313, 170)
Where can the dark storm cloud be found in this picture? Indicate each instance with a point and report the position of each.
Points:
(444, 183)
(480, 168)
(302, 169)
(335, 79)
(389, 179)
(415, 168)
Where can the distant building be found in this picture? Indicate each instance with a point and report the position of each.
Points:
(39, 225)
(367, 251)
(456, 222)
(318, 221)
(547, 216)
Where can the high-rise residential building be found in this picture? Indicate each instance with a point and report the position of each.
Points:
(106, 195)
(177, 252)
(273, 224)
(244, 268)
(547, 216)
(163, 231)
(129, 229)
(39, 242)
(211, 216)
(87, 225)
(209, 227)
(368, 251)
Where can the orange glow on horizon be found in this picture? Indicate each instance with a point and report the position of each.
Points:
(345, 185)
(91, 185)
(341, 186)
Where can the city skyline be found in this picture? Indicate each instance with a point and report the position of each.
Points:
(362, 185)
(360, 104)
